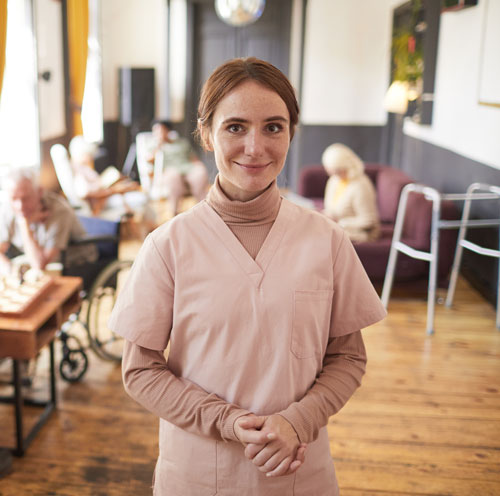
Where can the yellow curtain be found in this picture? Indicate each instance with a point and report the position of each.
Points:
(78, 30)
(3, 38)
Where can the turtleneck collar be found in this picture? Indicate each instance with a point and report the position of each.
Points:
(260, 210)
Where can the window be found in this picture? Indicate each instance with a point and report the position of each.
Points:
(19, 132)
(92, 116)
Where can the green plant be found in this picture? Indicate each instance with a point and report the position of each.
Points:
(407, 54)
(407, 57)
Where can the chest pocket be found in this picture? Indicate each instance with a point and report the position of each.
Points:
(311, 322)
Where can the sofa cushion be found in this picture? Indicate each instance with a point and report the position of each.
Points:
(390, 182)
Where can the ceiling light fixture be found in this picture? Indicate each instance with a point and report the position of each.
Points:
(239, 12)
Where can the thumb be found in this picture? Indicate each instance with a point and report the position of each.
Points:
(252, 422)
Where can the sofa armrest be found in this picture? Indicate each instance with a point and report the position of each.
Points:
(312, 181)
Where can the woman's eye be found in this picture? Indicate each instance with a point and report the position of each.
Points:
(234, 128)
(274, 128)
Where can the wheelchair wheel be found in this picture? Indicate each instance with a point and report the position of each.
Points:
(74, 361)
(101, 300)
(73, 365)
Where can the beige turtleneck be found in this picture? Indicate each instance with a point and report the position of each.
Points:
(249, 221)
(149, 381)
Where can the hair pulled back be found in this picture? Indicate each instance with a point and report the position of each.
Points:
(234, 72)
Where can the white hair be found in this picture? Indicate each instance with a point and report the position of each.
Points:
(79, 148)
(340, 157)
(17, 175)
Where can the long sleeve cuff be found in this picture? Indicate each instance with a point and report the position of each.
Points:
(227, 427)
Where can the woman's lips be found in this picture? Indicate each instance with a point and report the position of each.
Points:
(252, 167)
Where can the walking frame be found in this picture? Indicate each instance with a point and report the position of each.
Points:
(476, 191)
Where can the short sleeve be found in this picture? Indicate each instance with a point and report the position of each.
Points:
(356, 304)
(59, 231)
(143, 310)
(5, 225)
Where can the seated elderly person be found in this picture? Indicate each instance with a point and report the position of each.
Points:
(350, 197)
(183, 170)
(109, 190)
(39, 224)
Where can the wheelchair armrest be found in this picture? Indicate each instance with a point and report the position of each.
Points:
(95, 239)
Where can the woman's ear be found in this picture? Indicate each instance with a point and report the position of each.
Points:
(206, 139)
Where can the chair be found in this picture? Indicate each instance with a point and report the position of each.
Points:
(64, 173)
(476, 191)
(150, 175)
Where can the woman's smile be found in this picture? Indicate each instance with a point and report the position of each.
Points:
(253, 167)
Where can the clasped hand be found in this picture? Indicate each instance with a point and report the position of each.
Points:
(271, 444)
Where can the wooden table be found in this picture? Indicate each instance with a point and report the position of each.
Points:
(22, 337)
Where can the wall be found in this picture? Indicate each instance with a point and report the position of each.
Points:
(346, 62)
(460, 124)
(133, 36)
(345, 76)
(48, 15)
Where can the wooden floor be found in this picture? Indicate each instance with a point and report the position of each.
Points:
(425, 422)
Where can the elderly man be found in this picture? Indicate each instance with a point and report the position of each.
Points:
(39, 224)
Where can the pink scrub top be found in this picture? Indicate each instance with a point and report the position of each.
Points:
(253, 332)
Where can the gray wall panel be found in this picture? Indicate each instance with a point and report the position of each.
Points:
(364, 140)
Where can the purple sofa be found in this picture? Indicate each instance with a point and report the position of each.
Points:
(374, 255)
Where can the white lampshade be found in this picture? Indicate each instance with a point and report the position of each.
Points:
(396, 98)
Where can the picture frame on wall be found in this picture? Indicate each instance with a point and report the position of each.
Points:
(489, 68)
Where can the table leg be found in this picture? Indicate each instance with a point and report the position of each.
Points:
(19, 401)
(18, 405)
(53, 395)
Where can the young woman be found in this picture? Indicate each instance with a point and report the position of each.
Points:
(261, 302)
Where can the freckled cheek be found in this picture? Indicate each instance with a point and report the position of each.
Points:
(281, 150)
(229, 151)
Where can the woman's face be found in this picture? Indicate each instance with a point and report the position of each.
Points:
(341, 173)
(250, 137)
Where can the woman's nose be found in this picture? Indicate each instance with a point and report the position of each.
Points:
(254, 144)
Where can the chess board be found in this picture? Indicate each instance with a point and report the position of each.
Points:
(16, 298)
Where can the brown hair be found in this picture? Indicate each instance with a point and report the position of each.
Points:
(234, 72)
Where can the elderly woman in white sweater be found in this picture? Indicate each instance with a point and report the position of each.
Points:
(350, 197)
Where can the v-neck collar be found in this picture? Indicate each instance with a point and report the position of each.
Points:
(255, 269)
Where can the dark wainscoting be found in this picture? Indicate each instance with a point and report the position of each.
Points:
(364, 140)
(116, 143)
(449, 172)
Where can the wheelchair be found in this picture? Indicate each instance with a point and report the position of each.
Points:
(101, 282)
